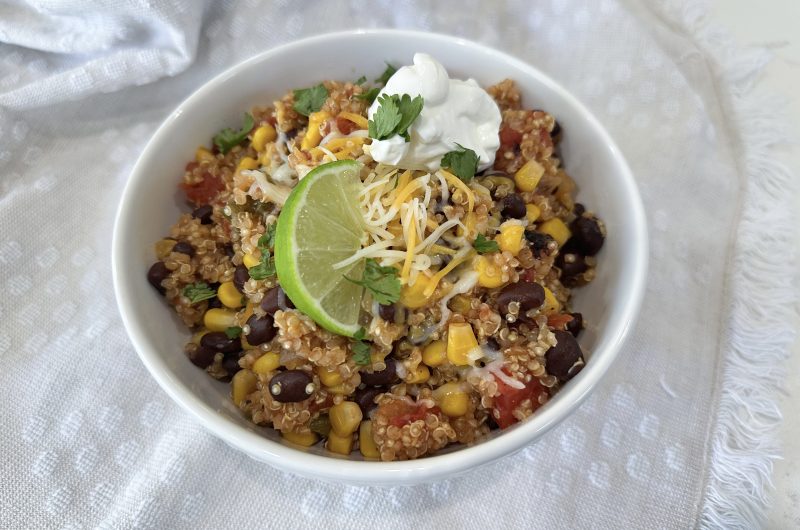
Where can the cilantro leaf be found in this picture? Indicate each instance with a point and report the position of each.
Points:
(267, 241)
(308, 100)
(394, 116)
(361, 353)
(197, 292)
(265, 269)
(484, 246)
(389, 72)
(409, 109)
(369, 95)
(386, 119)
(233, 332)
(361, 80)
(463, 163)
(382, 282)
(361, 334)
(227, 139)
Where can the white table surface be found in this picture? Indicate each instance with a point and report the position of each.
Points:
(773, 23)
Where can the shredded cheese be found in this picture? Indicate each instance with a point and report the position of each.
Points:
(458, 183)
(463, 254)
(411, 241)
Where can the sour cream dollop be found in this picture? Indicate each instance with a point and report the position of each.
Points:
(454, 112)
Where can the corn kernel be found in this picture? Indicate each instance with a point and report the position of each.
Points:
(551, 305)
(460, 303)
(329, 377)
(203, 155)
(510, 238)
(435, 353)
(342, 445)
(247, 163)
(164, 247)
(217, 319)
(489, 275)
(528, 176)
(412, 296)
(460, 342)
(250, 261)
(470, 220)
(532, 212)
(269, 362)
(452, 399)
(366, 443)
(263, 135)
(345, 417)
(313, 136)
(419, 376)
(556, 229)
(306, 439)
(229, 295)
(242, 385)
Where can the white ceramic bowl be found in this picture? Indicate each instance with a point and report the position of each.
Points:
(151, 203)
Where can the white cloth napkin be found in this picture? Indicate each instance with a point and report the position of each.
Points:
(679, 434)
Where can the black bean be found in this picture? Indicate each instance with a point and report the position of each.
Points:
(513, 206)
(204, 214)
(540, 243)
(571, 264)
(261, 329)
(529, 295)
(588, 235)
(387, 376)
(231, 363)
(229, 251)
(274, 300)
(560, 358)
(556, 130)
(575, 325)
(387, 312)
(202, 357)
(365, 397)
(214, 303)
(219, 341)
(240, 276)
(578, 209)
(291, 386)
(184, 248)
(157, 274)
(493, 344)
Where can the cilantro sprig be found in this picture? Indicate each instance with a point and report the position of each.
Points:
(394, 116)
(197, 292)
(382, 282)
(387, 73)
(485, 246)
(361, 80)
(266, 267)
(227, 139)
(463, 162)
(308, 100)
(369, 95)
(362, 352)
(233, 332)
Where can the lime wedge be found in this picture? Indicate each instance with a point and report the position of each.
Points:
(321, 224)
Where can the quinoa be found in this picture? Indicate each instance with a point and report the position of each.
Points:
(215, 269)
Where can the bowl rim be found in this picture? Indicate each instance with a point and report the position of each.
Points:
(341, 469)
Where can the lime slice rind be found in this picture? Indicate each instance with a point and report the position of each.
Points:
(320, 225)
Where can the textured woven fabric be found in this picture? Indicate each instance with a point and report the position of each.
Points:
(89, 440)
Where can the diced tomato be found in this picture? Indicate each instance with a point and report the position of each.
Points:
(402, 412)
(527, 275)
(510, 137)
(559, 321)
(510, 398)
(191, 166)
(205, 191)
(345, 126)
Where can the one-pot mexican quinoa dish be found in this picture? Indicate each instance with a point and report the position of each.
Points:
(383, 266)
